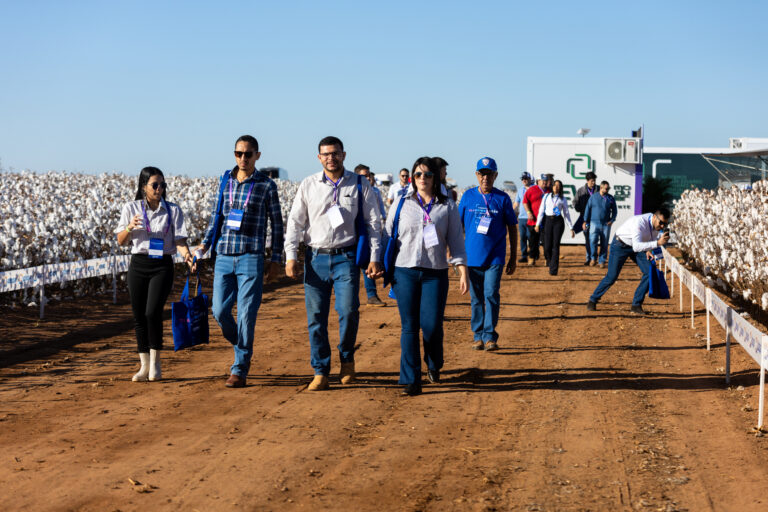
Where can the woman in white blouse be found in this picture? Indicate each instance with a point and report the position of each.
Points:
(555, 206)
(429, 224)
(155, 236)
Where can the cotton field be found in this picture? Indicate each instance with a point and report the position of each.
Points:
(725, 233)
(60, 217)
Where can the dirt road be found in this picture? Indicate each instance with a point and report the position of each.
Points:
(576, 411)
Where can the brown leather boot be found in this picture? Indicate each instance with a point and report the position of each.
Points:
(347, 373)
(319, 383)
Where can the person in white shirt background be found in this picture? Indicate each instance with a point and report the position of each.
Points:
(370, 284)
(554, 207)
(323, 217)
(635, 239)
(397, 190)
(429, 224)
(155, 229)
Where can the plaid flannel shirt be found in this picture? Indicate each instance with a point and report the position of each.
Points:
(251, 237)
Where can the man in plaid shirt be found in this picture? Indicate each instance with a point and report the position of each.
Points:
(237, 238)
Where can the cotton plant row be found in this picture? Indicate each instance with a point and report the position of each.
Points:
(59, 217)
(725, 233)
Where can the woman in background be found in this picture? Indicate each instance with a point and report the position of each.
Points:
(429, 224)
(555, 207)
(155, 228)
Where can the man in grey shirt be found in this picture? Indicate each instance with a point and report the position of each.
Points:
(323, 217)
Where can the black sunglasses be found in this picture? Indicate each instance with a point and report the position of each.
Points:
(426, 174)
(246, 154)
(158, 184)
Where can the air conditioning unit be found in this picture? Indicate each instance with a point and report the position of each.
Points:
(622, 151)
(736, 143)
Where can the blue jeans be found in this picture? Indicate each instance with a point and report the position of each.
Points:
(323, 274)
(484, 285)
(370, 286)
(588, 243)
(238, 278)
(599, 233)
(421, 297)
(525, 235)
(619, 254)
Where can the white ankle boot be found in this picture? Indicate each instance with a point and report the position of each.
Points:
(154, 365)
(143, 372)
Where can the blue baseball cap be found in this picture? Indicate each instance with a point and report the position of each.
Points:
(486, 163)
(526, 176)
(544, 176)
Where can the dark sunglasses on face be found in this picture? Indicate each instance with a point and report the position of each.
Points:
(158, 184)
(426, 174)
(246, 154)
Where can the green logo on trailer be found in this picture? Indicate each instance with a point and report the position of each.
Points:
(572, 165)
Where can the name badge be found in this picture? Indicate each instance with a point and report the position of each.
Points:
(556, 210)
(156, 248)
(334, 216)
(430, 236)
(235, 219)
(485, 223)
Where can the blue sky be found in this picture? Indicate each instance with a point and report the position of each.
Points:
(114, 86)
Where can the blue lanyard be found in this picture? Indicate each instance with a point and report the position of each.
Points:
(231, 201)
(146, 219)
(487, 207)
(335, 187)
(427, 208)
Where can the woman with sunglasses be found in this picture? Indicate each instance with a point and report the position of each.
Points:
(155, 236)
(428, 225)
(554, 206)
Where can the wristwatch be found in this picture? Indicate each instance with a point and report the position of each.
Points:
(128, 229)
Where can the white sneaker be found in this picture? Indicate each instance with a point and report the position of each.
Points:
(143, 373)
(154, 365)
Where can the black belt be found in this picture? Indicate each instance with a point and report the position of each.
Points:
(333, 252)
(622, 242)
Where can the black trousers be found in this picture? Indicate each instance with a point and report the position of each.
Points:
(533, 242)
(149, 283)
(553, 232)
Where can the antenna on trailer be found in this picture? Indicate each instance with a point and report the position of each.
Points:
(583, 131)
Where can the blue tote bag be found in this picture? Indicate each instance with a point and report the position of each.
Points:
(363, 252)
(390, 253)
(189, 318)
(657, 285)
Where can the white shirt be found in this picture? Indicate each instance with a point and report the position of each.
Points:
(158, 220)
(548, 204)
(396, 190)
(308, 221)
(638, 232)
(412, 250)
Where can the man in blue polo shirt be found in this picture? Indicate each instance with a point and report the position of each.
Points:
(487, 215)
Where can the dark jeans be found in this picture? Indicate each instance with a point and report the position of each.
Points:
(620, 252)
(533, 242)
(553, 232)
(525, 235)
(370, 286)
(421, 297)
(149, 283)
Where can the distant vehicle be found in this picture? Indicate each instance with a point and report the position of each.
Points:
(275, 172)
(383, 179)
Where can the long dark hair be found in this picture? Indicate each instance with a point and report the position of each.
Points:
(431, 166)
(561, 188)
(144, 176)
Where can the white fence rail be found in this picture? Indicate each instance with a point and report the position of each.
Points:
(38, 277)
(754, 342)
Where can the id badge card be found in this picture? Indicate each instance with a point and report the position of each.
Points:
(156, 248)
(430, 236)
(556, 210)
(334, 216)
(485, 224)
(235, 219)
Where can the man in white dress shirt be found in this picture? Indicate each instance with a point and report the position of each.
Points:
(399, 189)
(323, 217)
(635, 239)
